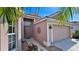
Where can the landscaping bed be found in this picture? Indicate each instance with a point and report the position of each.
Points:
(76, 35)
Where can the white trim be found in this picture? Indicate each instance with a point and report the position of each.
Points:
(48, 44)
(47, 19)
(11, 33)
(49, 35)
(39, 21)
(31, 16)
(52, 34)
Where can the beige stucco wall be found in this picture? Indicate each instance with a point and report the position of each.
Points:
(74, 27)
(60, 32)
(3, 36)
(19, 33)
(42, 36)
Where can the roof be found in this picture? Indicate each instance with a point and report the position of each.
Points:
(31, 16)
(54, 15)
(74, 21)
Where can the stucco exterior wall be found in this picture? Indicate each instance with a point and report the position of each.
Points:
(74, 27)
(19, 33)
(60, 32)
(3, 36)
(40, 31)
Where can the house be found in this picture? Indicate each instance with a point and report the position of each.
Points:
(11, 36)
(46, 30)
(74, 26)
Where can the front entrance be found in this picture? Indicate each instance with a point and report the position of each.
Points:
(28, 28)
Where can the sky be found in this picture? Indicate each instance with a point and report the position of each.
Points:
(45, 11)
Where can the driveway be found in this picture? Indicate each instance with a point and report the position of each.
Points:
(67, 45)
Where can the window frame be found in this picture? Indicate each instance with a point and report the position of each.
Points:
(12, 34)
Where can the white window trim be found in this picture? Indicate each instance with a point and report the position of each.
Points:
(12, 35)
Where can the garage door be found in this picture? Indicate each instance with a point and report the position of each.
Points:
(60, 32)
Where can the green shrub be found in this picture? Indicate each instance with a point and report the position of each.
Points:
(76, 34)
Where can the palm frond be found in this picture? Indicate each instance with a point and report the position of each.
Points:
(11, 14)
(67, 12)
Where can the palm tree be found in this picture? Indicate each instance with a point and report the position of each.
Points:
(11, 14)
(67, 12)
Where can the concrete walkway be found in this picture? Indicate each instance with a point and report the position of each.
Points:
(67, 45)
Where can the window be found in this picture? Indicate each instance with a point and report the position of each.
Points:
(11, 37)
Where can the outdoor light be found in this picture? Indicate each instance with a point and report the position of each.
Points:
(50, 27)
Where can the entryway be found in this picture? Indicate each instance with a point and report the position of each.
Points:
(28, 28)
